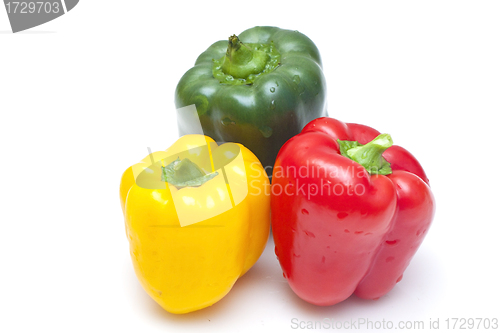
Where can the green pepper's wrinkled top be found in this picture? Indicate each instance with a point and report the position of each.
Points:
(244, 63)
(259, 89)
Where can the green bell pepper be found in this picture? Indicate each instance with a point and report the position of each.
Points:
(259, 89)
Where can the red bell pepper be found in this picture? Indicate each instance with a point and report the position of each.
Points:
(349, 211)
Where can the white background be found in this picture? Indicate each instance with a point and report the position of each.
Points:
(83, 96)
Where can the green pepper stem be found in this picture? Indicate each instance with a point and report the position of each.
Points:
(241, 61)
(369, 155)
(185, 173)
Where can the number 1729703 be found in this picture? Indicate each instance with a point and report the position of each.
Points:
(14, 7)
(472, 323)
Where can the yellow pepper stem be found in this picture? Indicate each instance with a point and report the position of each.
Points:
(184, 173)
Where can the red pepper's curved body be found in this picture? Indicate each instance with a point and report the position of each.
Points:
(339, 230)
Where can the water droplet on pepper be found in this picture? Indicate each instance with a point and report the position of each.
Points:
(273, 105)
(227, 121)
(342, 215)
(266, 131)
(309, 234)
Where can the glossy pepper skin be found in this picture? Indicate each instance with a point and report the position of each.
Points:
(186, 268)
(260, 106)
(339, 229)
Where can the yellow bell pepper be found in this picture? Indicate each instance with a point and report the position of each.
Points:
(197, 217)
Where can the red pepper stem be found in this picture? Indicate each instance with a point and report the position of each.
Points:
(370, 154)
